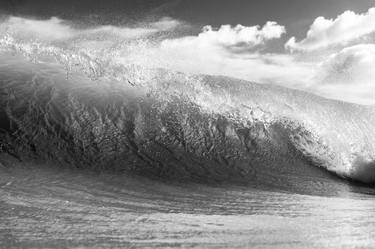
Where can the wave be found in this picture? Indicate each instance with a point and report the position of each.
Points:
(87, 111)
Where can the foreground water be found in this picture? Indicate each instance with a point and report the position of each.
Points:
(45, 207)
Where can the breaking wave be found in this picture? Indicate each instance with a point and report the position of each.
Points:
(70, 101)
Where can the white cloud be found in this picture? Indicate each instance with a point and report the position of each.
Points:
(229, 37)
(348, 75)
(346, 28)
(352, 65)
(165, 23)
(261, 68)
(55, 29)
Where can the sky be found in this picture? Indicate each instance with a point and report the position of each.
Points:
(296, 14)
(323, 46)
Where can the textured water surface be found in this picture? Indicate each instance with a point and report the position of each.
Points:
(48, 207)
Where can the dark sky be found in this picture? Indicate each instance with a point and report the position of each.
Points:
(296, 15)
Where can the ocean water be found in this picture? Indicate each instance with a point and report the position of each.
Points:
(98, 151)
(46, 207)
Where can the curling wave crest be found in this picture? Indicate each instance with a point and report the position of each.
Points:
(79, 101)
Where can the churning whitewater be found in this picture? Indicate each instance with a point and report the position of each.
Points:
(73, 105)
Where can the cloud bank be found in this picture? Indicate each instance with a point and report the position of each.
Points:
(336, 58)
(231, 51)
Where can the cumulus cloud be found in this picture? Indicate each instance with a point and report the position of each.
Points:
(229, 37)
(346, 28)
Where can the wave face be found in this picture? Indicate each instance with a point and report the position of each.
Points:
(86, 110)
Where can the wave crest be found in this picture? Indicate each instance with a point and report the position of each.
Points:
(82, 109)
